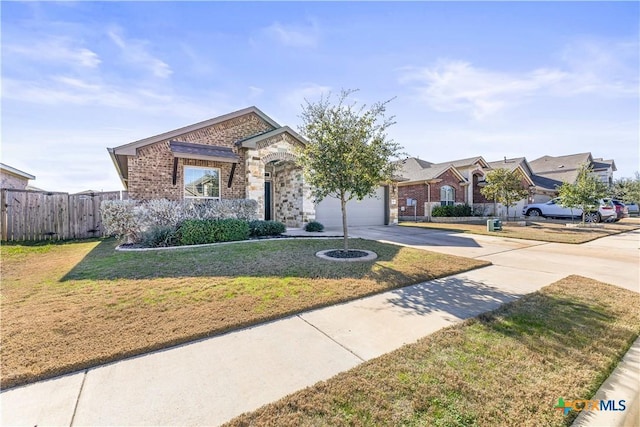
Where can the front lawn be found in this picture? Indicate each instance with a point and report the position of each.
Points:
(69, 306)
(504, 368)
(544, 231)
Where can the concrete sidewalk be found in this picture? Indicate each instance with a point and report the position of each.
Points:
(211, 381)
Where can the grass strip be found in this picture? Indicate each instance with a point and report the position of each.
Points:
(507, 367)
(75, 305)
(540, 231)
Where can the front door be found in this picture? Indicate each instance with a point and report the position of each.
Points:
(267, 200)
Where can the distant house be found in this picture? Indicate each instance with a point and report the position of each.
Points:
(550, 172)
(460, 181)
(13, 178)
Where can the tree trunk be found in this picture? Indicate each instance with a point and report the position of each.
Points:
(343, 205)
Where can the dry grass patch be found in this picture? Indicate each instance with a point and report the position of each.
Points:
(545, 231)
(507, 367)
(70, 306)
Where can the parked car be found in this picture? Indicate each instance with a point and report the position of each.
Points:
(633, 209)
(621, 210)
(606, 211)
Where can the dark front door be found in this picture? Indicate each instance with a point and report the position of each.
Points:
(267, 200)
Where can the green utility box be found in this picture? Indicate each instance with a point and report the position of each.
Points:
(494, 225)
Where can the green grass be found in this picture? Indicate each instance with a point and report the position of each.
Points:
(73, 305)
(507, 367)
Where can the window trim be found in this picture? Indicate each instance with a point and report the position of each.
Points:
(184, 184)
(445, 201)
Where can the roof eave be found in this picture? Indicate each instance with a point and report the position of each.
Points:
(130, 148)
(253, 142)
(117, 165)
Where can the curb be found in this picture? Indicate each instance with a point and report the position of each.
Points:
(622, 384)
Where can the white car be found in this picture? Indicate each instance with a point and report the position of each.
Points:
(553, 209)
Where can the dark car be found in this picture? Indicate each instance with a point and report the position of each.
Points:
(621, 210)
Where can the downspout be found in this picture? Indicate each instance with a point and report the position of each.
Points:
(428, 202)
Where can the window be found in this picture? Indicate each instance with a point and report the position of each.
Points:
(447, 195)
(201, 183)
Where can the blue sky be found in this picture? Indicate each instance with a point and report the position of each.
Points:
(481, 78)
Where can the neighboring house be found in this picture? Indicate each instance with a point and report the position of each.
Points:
(13, 178)
(434, 184)
(460, 181)
(550, 172)
(244, 154)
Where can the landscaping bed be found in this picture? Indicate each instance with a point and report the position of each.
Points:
(545, 231)
(72, 305)
(508, 367)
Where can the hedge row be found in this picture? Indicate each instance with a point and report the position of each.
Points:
(451, 210)
(201, 231)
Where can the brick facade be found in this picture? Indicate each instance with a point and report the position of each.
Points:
(8, 180)
(419, 193)
(260, 147)
(477, 195)
(151, 169)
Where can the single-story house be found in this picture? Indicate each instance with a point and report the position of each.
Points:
(13, 178)
(243, 154)
(429, 184)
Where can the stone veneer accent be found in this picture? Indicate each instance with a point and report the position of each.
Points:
(288, 183)
(151, 169)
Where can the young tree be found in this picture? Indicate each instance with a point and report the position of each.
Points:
(348, 154)
(504, 186)
(627, 189)
(585, 193)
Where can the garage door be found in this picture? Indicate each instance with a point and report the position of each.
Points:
(369, 211)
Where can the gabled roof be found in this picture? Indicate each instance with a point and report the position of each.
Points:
(17, 172)
(130, 149)
(514, 164)
(468, 162)
(559, 164)
(550, 172)
(600, 164)
(252, 141)
(119, 154)
(412, 170)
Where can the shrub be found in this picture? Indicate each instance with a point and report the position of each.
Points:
(199, 231)
(314, 226)
(244, 209)
(450, 210)
(163, 212)
(122, 218)
(260, 228)
(129, 219)
(160, 236)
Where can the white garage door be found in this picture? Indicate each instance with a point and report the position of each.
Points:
(369, 211)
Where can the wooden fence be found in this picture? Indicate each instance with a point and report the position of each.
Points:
(37, 215)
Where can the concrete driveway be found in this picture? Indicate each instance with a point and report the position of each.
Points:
(211, 381)
(614, 259)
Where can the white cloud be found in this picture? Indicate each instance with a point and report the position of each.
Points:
(309, 92)
(586, 68)
(136, 52)
(459, 86)
(294, 36)
(70, 91)
(58, 50)
(255, 91)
